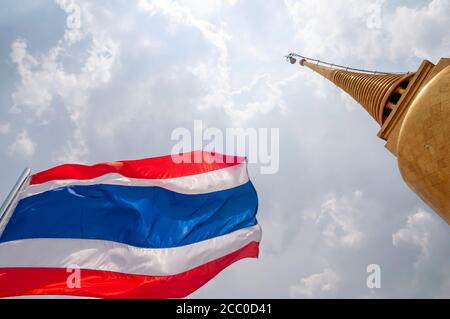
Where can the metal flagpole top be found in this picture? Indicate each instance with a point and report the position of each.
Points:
(10, 202)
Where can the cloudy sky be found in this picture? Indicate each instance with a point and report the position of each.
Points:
(116, 85)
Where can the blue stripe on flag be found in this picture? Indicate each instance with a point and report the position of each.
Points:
(149, 217)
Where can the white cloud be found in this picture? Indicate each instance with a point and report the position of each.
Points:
(23, 146)
(215, 72)
(261, 96)
(337, 219)
(5, 128)
(34, 90)
(335, 29)
(423, 245)
(75, 151)
(210, 8)
(320, 285)
(421, 31)
(368, 30)
(416, 233)
(44, 78)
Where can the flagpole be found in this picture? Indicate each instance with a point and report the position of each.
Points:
(11, 200)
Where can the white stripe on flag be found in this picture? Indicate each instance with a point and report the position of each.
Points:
(112, 256)
(208, 182)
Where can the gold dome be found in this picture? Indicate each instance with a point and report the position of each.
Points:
(423, 148)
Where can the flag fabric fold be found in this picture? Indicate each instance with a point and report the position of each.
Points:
(149, 228)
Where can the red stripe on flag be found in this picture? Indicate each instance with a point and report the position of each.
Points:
(107, 284)
(151, 168)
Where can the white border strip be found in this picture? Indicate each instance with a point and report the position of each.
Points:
(208, 182)
(112, 256)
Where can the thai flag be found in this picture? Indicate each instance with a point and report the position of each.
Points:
(146, 228)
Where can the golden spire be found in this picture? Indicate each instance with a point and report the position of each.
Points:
(414, 113)
(377, 93)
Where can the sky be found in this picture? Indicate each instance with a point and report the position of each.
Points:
(115, 83)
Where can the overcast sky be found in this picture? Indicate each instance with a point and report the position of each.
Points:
(116, 88)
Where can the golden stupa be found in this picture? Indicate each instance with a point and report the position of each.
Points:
(413, 110)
